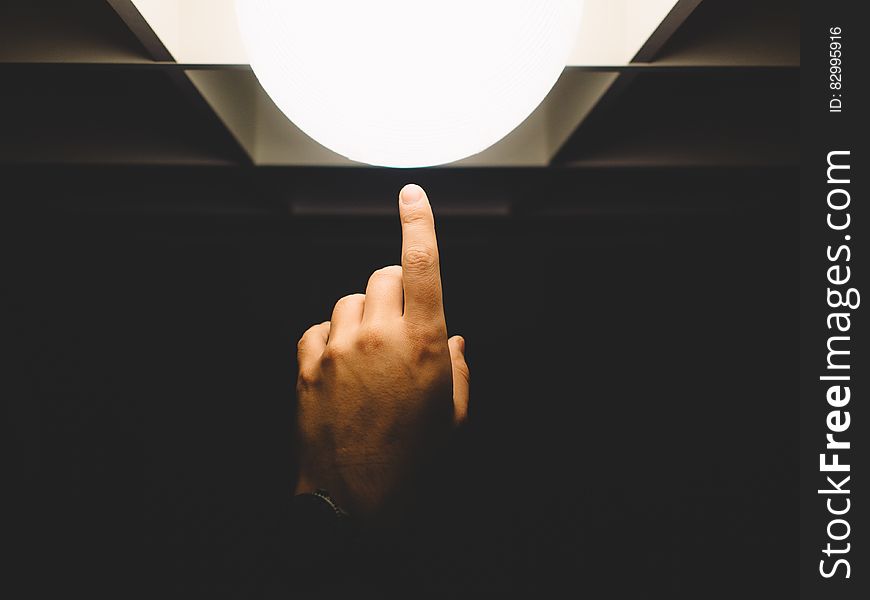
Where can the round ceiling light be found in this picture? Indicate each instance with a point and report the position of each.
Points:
(408, 83)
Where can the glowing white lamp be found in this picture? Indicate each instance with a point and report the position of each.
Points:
(408, 83)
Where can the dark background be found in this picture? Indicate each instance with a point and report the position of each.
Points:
(629, 429)
(630, 314)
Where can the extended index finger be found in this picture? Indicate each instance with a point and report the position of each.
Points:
(421, 273)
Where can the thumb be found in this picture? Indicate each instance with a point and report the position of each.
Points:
(461, 377)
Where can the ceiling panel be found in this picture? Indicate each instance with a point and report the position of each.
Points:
(691, 119)
(737, 33)
(104, 117)
(66, 31)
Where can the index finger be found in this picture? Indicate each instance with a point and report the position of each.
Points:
(421, 273)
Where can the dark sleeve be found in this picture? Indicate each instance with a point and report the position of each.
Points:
(309, 550)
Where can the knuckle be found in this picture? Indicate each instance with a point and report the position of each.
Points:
(427, 344)
(348, 300)
(370, 340)
(434, 336)
(385, 273)
(388, 271)
(308, 377)
(305, 338)
(419, 259)
(333, 353)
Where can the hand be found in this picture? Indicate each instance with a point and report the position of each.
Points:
(380, 386)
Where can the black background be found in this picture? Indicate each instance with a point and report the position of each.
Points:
(631, 341)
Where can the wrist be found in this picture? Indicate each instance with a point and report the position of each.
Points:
(325, 501)
(312, 484)
(360, 490)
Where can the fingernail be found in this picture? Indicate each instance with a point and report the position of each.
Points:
(461, 342)
(411, 193)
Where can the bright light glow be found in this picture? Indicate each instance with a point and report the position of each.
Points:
(408, 83)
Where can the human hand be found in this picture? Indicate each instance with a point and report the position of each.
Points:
(381, 386)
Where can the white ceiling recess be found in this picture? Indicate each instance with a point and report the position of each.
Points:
(202, 35)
